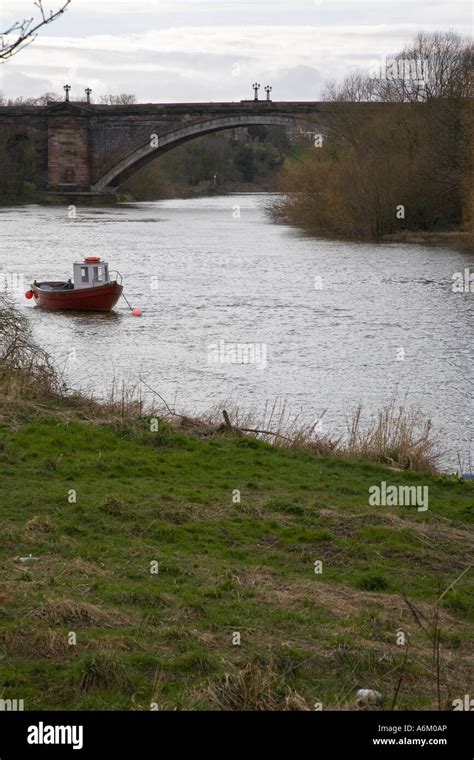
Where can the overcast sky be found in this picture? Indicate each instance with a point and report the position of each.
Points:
(204, 50)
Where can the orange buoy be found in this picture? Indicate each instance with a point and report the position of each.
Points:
(136, 312)
(92, 259)
(29, 294)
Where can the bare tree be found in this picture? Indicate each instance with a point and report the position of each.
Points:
(355, 88)
(47, 97)
(22, 33)
(42, 100)
(436, 65)
(123, 99)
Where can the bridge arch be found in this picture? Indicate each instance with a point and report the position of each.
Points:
(146, 153)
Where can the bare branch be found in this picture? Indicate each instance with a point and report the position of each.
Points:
(24, 33)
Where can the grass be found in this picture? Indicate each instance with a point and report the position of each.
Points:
(180, 564)
(97, 505)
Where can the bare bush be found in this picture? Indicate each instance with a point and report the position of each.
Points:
(25, 368)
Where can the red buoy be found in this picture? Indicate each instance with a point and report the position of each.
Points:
(29, 294)
(136, 312)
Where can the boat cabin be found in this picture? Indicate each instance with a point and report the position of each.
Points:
(90, 273)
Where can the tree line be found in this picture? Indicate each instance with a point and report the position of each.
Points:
(404, 167)
(123, 99)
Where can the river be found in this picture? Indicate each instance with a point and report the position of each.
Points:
(330, 324)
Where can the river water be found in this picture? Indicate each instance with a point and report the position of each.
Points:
(321, 325)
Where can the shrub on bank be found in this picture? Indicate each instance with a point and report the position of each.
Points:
(405, 165)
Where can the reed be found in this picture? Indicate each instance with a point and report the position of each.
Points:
(398, 436)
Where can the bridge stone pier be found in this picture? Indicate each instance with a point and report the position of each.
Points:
(91, 149)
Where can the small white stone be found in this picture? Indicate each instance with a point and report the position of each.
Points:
(368, 697)
(28, 560)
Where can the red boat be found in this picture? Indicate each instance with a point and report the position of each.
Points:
(93, 288)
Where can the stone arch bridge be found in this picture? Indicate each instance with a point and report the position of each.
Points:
(86, 148)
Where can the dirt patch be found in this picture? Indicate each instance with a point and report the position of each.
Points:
(344, 602)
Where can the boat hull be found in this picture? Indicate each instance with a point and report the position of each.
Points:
(100, 298)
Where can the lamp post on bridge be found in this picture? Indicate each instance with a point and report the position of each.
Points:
(256, 88)
(66, 89)
(88, 92)
(268, 90)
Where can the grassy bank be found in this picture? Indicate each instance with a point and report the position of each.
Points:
(176, 569)
(224, 567)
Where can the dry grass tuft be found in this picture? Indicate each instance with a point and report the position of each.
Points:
(294, 702)
(47, 644)
(102, 672)
(111, 505)
(87, 568)
(67, 612)
(399, 437)
(254, 689)
(251, 689)
(39, 525)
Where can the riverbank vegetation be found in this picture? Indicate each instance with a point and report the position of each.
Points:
(182, 564)
(401, 168)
